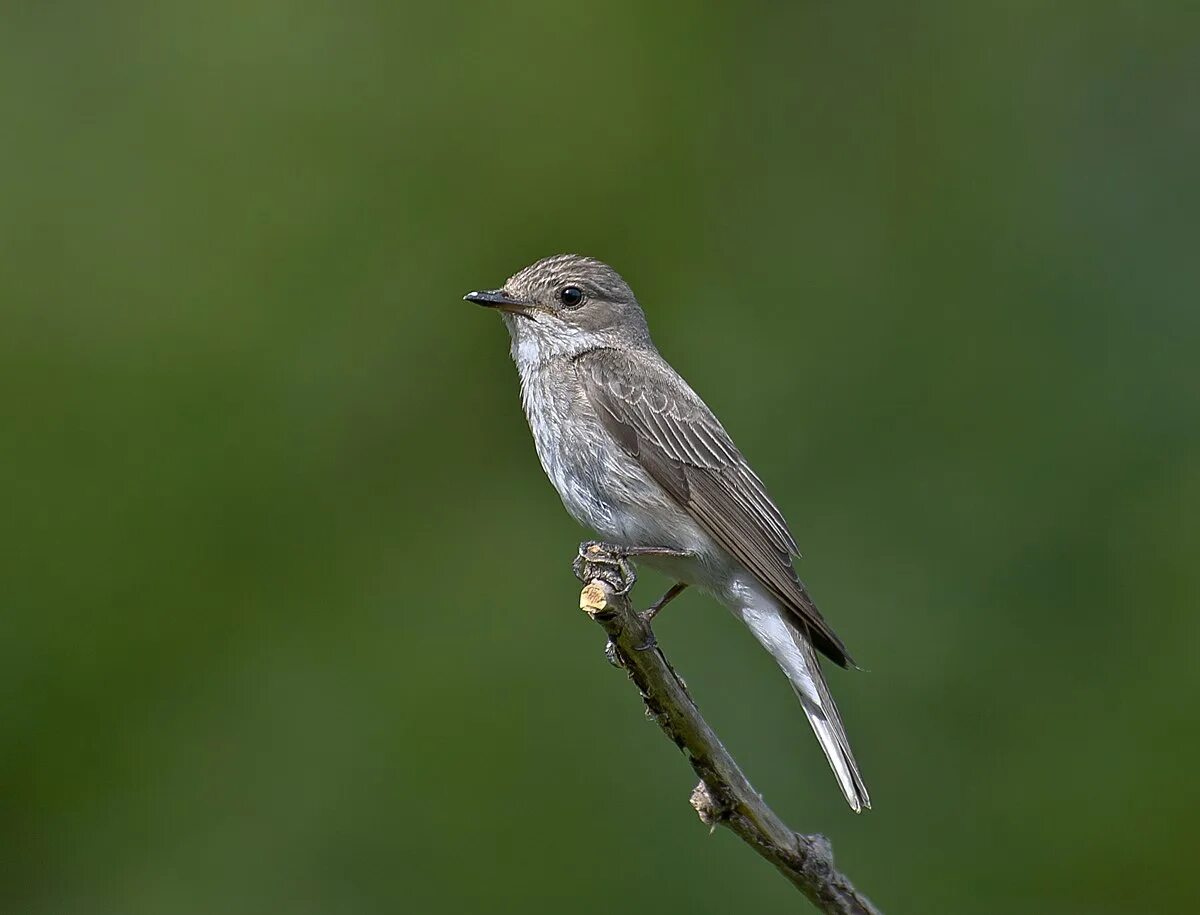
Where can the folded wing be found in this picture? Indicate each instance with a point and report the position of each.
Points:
(661, 422)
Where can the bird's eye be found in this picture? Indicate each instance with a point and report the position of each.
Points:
(570, 296)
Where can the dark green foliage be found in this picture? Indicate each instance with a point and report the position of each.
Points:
(275, 539)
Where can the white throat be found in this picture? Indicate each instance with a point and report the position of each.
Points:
(540, 340)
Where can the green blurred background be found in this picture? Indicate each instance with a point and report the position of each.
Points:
(288, 618)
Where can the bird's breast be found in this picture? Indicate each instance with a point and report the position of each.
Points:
(600, 485)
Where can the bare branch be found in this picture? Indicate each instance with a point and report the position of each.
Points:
(724, 794)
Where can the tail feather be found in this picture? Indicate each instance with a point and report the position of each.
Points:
(794, 653)
(831, 734)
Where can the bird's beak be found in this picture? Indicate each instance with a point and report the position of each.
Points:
(499, 299)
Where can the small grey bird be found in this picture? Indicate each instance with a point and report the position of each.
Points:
(639, 458)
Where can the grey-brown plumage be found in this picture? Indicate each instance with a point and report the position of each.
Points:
(637, 456)
(661, 422)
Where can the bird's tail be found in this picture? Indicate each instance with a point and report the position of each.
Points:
(793, 651)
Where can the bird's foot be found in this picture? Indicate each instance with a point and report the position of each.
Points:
(611, 563)
(609, 557)
(615, 557)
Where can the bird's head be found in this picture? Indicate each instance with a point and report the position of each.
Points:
(567, 304)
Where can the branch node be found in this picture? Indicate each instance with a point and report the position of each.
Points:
(820, 846)
(613, 654)
(710, 811)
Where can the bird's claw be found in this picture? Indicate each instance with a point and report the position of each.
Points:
(609, 556)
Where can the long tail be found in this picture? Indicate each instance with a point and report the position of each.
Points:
(793, 651)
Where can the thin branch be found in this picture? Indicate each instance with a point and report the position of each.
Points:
(724, 794)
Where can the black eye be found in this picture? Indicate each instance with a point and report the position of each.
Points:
(570, 296)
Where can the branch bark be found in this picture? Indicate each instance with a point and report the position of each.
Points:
(724, 795)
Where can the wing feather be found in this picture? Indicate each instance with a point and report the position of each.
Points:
(660, 421)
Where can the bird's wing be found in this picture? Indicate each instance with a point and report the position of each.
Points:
(658, 420)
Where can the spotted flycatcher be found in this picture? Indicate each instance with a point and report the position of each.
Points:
(639, 458)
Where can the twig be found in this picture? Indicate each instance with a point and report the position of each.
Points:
(724, 794)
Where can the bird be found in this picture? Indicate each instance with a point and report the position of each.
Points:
(638, 457)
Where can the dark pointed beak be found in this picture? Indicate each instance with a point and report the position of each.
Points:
(499, 299)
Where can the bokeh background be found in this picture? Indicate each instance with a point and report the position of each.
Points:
(288, 623)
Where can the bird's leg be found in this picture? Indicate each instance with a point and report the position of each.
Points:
(673, 592)
(625, 552)
(657, 551)
(611, 556)
(617, 557)
(647, 615)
